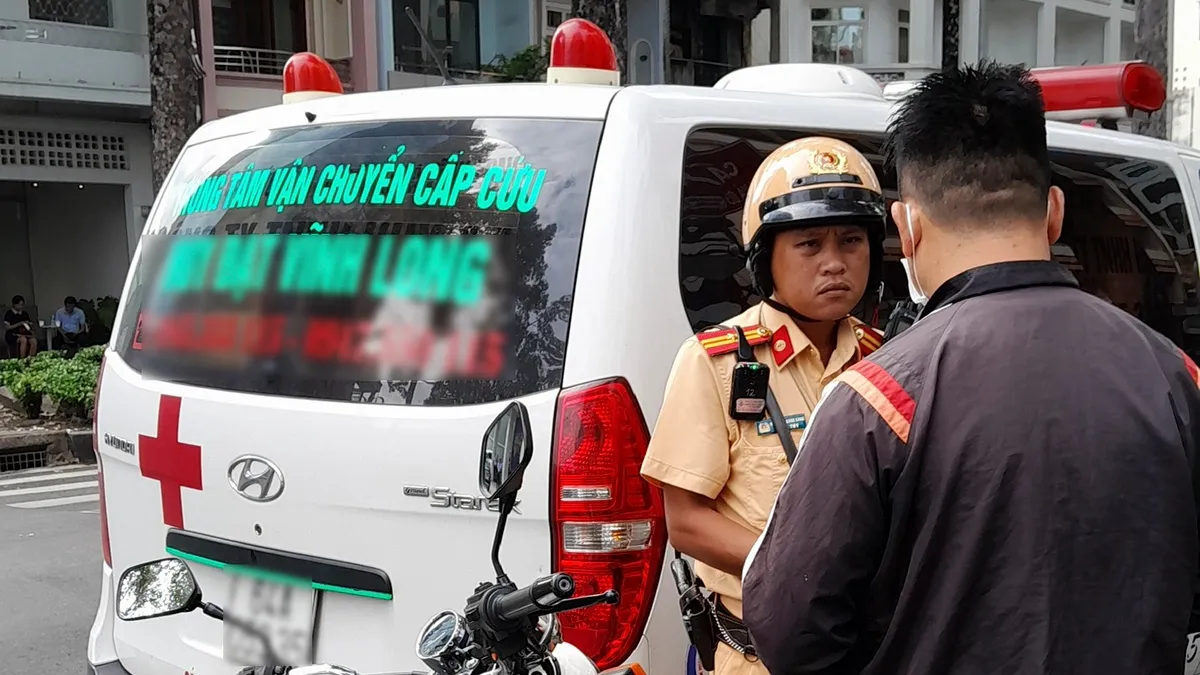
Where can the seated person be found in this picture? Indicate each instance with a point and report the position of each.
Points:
(18, 330)
(72, 325)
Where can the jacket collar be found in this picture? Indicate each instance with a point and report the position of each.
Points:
(997, 277)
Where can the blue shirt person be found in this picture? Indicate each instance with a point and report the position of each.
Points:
(69, 318)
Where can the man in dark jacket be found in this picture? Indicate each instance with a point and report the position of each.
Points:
(1010, 486)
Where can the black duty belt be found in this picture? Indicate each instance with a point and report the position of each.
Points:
(733, 632)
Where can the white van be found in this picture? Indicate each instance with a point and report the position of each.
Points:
(250, 428)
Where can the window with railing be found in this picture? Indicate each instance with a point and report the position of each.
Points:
(838, 35)
(452, 27)
(256, 37)
(902, 36)
(80, 12)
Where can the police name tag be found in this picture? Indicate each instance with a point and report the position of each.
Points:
(794, 422)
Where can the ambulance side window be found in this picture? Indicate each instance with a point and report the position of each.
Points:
(717, 167)
(1127, 238)
(1126, 234)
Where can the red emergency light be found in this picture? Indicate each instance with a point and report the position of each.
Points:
(1108, 91)
(307, 76)
(581, 53)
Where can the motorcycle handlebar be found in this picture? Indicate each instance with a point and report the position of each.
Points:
(536, 597)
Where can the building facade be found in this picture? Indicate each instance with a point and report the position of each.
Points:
(75, 146)
(75, 180)
(249, 41)
(472, 37)
(905, 39)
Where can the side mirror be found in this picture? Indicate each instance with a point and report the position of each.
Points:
(158, 588)
(507, 449)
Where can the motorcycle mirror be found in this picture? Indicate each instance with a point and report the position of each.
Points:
(507, 449)
(158, 588)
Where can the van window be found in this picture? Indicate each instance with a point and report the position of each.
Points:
(1126, 234)
(398, 262)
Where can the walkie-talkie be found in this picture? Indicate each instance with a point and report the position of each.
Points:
(903, 315)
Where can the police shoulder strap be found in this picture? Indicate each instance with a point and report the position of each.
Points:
(745, 354)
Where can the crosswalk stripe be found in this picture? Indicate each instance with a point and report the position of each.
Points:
(48, 477)
(60, 501)
(42, 489)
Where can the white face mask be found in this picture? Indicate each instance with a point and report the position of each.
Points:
(915, 292)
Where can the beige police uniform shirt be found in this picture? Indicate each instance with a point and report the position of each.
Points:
(696, 446)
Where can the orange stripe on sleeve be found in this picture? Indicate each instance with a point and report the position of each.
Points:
(1191, 367)
(883, 393)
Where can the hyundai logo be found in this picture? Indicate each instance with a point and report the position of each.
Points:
(256, 478)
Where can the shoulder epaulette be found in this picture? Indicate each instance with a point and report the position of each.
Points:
(721, 340)
(869, 339)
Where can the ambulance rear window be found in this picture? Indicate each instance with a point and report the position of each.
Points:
(397, 262)
(1126, 234)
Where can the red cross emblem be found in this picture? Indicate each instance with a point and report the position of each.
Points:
(173, 464)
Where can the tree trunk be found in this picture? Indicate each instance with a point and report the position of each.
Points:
(950, 12)
(610, 16)
(1151, 36)
(174, 87)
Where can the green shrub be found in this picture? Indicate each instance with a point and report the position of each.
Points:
(10, 369)
(70, 383)
(23, 381)
(527, 65)
(90, 354)
(49, 355)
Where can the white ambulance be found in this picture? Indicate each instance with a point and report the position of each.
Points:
(314, 405)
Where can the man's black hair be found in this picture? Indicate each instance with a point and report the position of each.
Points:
(69, 300)
(17, 299)
(970, 145)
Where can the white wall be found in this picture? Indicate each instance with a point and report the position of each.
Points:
(76, 242)
(1078, 38)
(880, 46)
(1009, 33)
(76, 63)
(329, 28)
(236, 98)
(1185, 72)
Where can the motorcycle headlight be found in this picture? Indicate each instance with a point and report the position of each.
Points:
(444, 633)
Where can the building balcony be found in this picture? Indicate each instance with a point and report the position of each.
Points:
(51, 60)
(263, 63)
(249, 78)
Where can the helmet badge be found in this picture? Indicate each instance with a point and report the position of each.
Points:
(826, 161)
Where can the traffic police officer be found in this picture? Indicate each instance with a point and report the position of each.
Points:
(813, 225)
(1011, 485)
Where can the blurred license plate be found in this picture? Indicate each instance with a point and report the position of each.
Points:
(280, 614)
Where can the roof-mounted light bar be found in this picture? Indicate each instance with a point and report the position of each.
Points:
(1133, 89)
(307, 76)
(581, 53)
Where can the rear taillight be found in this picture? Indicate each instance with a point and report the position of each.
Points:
(105, 548)
(607, 523)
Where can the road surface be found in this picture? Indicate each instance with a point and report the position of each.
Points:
(49, 568)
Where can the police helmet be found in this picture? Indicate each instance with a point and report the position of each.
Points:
(811, 182)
